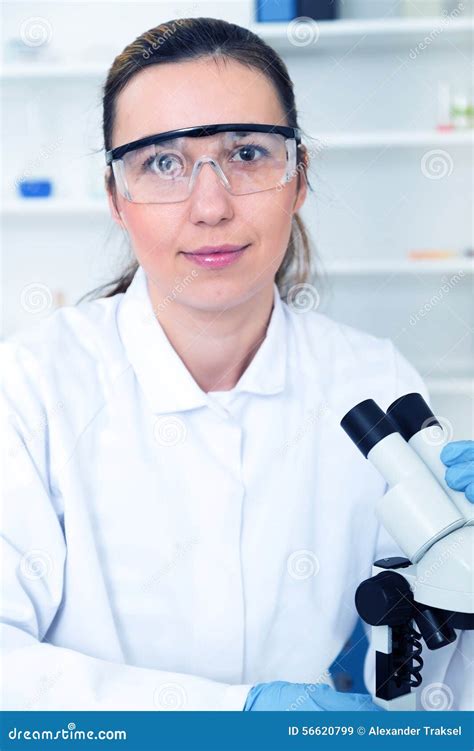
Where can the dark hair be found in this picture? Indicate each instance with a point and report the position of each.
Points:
(190, 38)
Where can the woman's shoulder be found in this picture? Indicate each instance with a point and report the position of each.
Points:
(319, 332)
(71, 326)
(71, 344)
(347, 358)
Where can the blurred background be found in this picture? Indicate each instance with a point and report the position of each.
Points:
(385, 96)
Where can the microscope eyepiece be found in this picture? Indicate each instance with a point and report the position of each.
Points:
(366, 424)
(410, 413)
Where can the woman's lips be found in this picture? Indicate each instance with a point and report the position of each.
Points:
(216, 259)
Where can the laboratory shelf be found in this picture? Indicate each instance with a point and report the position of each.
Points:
(396, 138)
(285, 37)
(367, 266)
(47, 70)
(50, 207)
(441, 30)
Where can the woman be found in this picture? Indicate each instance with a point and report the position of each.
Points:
(188, 522)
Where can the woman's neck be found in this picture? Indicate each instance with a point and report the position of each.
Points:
(216, 347)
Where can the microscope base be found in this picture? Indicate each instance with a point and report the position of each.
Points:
(406, 703)
(386, 602)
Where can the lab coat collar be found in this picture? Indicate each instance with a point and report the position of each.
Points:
(166, 382)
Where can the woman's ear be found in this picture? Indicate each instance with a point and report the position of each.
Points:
(301, 195)
(301, 182)
(112, 198)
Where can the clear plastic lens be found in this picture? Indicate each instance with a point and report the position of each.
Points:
(165, 172)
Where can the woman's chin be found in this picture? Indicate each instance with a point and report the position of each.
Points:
(216, 295)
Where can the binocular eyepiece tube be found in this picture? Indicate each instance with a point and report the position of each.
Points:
(418, 509)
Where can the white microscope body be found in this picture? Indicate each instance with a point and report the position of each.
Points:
(433, 588)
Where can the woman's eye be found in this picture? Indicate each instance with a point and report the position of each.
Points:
(165, 165)
(250, 153)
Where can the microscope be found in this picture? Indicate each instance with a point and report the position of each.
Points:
(430, 593)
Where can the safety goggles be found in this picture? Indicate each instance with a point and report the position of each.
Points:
(247, 158)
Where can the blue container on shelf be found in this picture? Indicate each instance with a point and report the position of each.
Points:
(35, 188)
(275, 10)
(320, 10)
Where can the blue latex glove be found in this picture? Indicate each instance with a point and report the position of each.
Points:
(459, 458)
(305, 697)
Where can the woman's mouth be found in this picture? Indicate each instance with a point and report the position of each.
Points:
(216, 257)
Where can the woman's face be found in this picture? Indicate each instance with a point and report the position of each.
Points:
(178, 95)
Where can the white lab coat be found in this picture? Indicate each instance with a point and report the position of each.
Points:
(164, 548)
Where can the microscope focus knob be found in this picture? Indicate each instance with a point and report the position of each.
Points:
(385, 600)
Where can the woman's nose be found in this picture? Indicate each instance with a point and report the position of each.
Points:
(210, 199)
